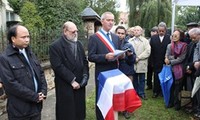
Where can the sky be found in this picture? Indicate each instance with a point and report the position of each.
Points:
(121, 5)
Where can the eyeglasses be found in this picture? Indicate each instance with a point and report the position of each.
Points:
(175, 36)
(73, 32)
(120, 33)
(161, 31)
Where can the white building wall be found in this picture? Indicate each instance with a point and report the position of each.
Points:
(3, 16)
(6, 14)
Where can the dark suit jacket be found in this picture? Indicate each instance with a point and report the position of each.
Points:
(97, 51)
(158, 51)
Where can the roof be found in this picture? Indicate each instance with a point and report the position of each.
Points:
(89, 13)
(7, 6)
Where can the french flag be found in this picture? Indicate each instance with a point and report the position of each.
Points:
(116, 93)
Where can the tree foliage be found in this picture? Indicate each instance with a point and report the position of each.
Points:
(16, 5)
(152, 13)
(53, 12)
(56, 12)
(148, 13)
(186, 15)
(30, 17)
(134, 7)
(101, 6)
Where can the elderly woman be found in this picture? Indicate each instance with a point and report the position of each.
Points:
(142, 50)
(175, 54)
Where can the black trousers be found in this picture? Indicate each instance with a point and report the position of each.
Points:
(149, 76)
(156, 83)
(99, 116)
(175, 94)
(35, 117)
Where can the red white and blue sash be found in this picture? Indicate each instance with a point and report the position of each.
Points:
(105, 41)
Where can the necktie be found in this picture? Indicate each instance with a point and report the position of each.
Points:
(108, 35)
(34, 79)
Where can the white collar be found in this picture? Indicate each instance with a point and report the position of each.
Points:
(105, 31)
(22, 50)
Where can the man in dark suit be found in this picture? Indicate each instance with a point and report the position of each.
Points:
(158, 48)
(70, 66)
(100, 50)
(154, 31)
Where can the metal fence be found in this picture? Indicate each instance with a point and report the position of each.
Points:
(40, 41)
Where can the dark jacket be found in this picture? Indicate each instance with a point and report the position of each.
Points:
(97, 51)
(70, 103)
(126, 65)
(158, 51)
(188, 62)
(18, 82)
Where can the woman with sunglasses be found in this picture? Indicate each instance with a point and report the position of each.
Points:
(175, 54)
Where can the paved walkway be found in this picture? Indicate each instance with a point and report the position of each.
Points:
(48, 112)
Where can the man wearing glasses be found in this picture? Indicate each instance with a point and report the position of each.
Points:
(69, 63)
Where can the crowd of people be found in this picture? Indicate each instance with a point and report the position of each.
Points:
(25, 84)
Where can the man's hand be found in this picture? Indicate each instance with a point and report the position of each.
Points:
(110, 56)
(197, 65)
(1, 85)
(41, 97)
(137, 59)
(84, 81)
(122, 56)
(129, 53)
(75, 85)
(188, 71)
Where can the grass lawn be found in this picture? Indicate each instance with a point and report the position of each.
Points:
(151, 109)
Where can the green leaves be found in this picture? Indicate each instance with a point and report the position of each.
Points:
(16, 5)
(150, 12)
(186, 15)
(30, 17)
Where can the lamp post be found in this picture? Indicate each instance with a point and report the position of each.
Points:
(158, 20)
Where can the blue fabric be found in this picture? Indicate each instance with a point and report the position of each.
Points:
(139, 83)
(103, 76)
(166, 80)
(126, 65)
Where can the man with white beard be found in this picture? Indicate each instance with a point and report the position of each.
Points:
(71, 70)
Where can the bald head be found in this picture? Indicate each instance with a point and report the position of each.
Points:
(70, 31)
(68, 25)
(194, 34)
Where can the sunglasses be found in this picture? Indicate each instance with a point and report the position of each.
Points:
(175, 36)
(73, 32)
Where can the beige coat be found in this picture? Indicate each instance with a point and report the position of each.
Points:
(142, 50)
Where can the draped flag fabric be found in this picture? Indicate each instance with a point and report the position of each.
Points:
(116, 93)
(196, 86)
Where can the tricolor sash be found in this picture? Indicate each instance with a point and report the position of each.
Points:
(105, 41)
